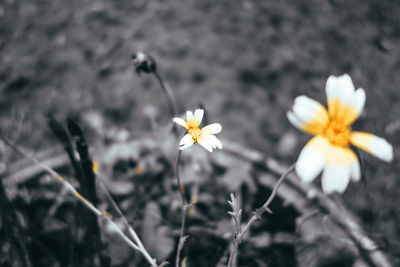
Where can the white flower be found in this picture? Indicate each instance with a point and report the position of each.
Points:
(329, 150)
(205, 136)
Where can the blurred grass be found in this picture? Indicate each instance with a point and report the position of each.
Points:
(245, 60)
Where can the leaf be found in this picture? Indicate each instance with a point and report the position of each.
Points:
(58, 130)
(74, 128)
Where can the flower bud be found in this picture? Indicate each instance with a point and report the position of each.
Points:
(143, 63)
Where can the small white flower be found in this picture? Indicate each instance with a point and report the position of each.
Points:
(205, 136)
(329, 150)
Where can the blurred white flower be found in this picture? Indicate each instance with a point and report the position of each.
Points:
(205, 136)
(329, 150)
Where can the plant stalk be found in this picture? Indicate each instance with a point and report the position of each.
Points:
(237, 239)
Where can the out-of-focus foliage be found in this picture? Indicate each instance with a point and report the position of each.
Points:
(245, 60)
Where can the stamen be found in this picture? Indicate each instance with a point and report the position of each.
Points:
(195, 133)
(337, 134)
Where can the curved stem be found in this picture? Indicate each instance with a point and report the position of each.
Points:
(168, 94)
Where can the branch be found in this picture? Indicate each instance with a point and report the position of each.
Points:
(236, 214)
(341, 216)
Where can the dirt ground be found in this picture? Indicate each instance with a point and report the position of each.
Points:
(245, 61)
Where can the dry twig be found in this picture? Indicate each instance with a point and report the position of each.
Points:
(237, 212)
(370, 252)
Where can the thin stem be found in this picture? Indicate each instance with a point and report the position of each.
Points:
(111, 200)
(87, 203)
(183, 203)
(168, 94)
(144, 252)
(257, 215)
(233, 254)
(130, 229)
(178, 178)
(237, 218)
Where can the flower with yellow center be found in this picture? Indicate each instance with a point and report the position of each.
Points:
(205, 136)
(329, 150)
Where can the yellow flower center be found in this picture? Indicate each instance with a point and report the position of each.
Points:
(195, 133)
(337, 134)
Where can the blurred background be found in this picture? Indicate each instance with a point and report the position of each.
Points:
(245, 61)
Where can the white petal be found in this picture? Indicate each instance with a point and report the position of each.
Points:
(338, 87)
(191, 121)
(341, 88)
(359, 100)
(345, 83)
(294, 120)
(307, 102)
(206, 142)
(381, 149)
(344, 103)
(198, 114)
(332, 87)
(308, 115)
(335, 178)
(189, 115)
(214, 141)
(373, 144)
(346, 88)
(339, 169)
(311, 160)
(307, 109)
(186, 141)
(180, 122)
(211, 129)
(350, 107)
(355, 171)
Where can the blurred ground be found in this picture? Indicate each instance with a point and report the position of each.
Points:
(245, 61)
